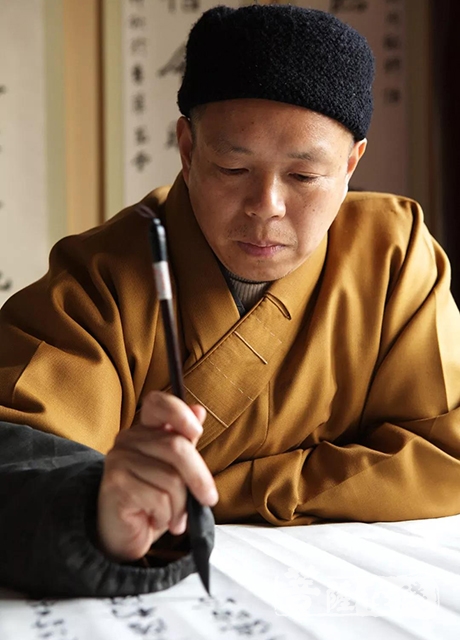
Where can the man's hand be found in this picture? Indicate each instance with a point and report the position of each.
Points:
(144, 486)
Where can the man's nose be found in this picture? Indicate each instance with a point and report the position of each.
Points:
(266, 198)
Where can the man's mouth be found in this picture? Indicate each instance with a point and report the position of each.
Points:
(260, 249)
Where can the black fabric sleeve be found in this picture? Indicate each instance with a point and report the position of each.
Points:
(48, 500)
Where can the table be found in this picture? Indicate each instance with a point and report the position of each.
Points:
(332, 581)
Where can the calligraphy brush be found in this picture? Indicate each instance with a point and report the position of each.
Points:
(195, 511)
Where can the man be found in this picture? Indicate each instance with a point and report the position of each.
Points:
(321, 346)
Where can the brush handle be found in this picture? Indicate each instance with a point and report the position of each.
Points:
(197, 515)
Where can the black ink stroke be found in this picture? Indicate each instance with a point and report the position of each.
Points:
(357, 6)
(175, 64)
(5, 283)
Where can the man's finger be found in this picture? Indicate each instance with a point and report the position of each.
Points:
(177, 451)
(153, 448)
(159, 409)
(160, 476)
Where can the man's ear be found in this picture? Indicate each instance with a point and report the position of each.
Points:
(185, 142)
(355, 156)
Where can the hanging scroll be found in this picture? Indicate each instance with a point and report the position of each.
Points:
(382, 22)
(153, 43)
(23, 226)
(385, 166)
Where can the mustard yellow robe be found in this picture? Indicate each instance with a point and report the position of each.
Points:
(336, 397)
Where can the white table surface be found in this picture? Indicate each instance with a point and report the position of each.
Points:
(335, 581)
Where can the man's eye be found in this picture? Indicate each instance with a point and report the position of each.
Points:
(303, 178)
(231, 172)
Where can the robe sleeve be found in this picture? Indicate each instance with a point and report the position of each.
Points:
(70, 356)
(404, 461)
(48, 498)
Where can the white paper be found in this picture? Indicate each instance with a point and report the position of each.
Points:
(345, 580)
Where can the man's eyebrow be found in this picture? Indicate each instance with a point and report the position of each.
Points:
(222, 146)
(310, 156)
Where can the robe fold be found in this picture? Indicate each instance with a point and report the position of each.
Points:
(336, 397)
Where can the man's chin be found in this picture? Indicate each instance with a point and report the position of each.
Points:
(259, 273)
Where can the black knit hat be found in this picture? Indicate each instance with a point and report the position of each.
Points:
(285, 53)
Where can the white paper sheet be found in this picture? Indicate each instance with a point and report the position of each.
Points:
(345, 580)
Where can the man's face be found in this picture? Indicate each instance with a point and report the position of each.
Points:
(266, 180)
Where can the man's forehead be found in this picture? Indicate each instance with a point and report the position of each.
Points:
(234, 127)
